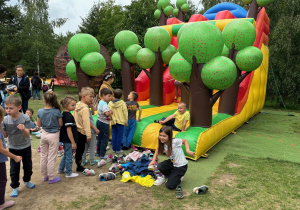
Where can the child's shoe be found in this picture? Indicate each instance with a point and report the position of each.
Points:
(56, 179)
(30, 185)
(107, 176)
(134, 148)
(88, 172)
(83, 163)
(147, 151)
(120, 151)
(39, 149)
(115, 168)
(151, 168)
(94, 162)
(80, 169)
(15, 193)
(101, 163)
(72, 175)
(200, 190)
(160, 180)
(179, 193)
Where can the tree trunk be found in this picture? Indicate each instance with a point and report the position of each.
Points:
(163, 18)
(228, 99)
(83, 78)
(253, 10)
(156, 81)
(200, 110)
(180, 15)
(185, 96)
(128, 76)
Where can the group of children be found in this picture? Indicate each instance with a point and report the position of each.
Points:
(77, 132)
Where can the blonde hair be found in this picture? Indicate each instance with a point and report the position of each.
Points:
(86, 91)
(13, 99)
(2, 113)
(182, 103)
(66, 101)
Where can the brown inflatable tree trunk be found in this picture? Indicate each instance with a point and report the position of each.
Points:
(163, 18)
(84, 80)
(180, 15)
(253, 10)
(128, 76)
(185, 96)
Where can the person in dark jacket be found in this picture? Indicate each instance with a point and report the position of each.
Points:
(3, 70)
(52, 83)
(22, 82)
(36, 86)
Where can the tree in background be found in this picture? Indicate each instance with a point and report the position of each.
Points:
(255, 6)
(84, 49)
(164, 10)
(126, 43)
(199, 62)
(182, 8)
(158, 52)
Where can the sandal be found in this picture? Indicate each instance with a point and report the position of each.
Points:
(179, 193)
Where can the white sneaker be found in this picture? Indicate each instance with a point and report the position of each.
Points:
(72, 175)
(101, 163)
(118, 152)
(159, 181)
(107, 148)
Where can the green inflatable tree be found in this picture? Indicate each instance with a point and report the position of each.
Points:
(164, 10)
(255, 6)
(158, 52)
(126, 43)
(87, 61)
(239, 36)
(182, 8)
(200, 63)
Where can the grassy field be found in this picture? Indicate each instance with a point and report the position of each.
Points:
(256, 168)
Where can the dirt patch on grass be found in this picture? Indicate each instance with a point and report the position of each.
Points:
(225, 179)
(233, 165)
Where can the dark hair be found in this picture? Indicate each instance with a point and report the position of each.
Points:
(19, 66)
(2, 69)
(118, 93)
(167, 130)
(36, 73)
(107, 76)
(13, 99)
(44, 78)
(31, 110)
(135, 95)
(51, 99)
(105, 91)
(66, 100)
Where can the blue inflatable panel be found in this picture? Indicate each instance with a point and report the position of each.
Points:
(236, 10)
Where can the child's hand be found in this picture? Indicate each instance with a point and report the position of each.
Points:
(21, 127)
(74, 146)
(139, 120)
(17, 159)
(126, 124)
(151, 163)
(111, 112)
(190, 153)
(161, 122)
(88, 139)
(97, 131)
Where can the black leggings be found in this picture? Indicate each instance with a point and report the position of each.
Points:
(173, 174)
(3, 180)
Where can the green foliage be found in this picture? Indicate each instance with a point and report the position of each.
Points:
(116, 60)
(180, 69)
(124, 39)
(145, 58)
(185, 8)
(241, 33)
(219, 73)
(225, 51)
(93, 64)
(179, 3)
(131, 53)
(247, 1)
(157, 14)
(168, 53)
(263, 3)
(181, 30)
(168, 11)
(202, 40)
(81, 44)
(157, 37)
(162, 4)
(175, 12)
(71, 70)
(249, 58)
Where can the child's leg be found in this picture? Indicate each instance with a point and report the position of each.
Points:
(104, 138)
(125, 135)
(53, 140)
(68, 158)
(120, 131)
(14, 170)
(27, 163)
(174, 178)
(86, 147)
(131, 125)
(165, 167)
(99, 137)
(114, 137)
(92, 147)
(80, 148)
(170, 122)
(44, 155)
(62, 164)
(3, 180)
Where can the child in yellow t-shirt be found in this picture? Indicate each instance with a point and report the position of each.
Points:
(177, 120)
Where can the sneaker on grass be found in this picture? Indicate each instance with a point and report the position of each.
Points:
(94, 162)
(134, 148)
(101, 163)
(160, 180)
(104, 157)
(107, 148)
(107, 176)
(72, 175)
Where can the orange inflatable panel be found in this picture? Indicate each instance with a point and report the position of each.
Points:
(196, 18)
(226, 14)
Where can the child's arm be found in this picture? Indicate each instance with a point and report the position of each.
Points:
(140, 114)
(87, 124)
(183, 125)
(94, 128)
(3, 132)
(8, 154)
(167, 119)
(60, 122)
(108, 113)
(187, 148)
(38, 122)
(71, 137)
(154, 158)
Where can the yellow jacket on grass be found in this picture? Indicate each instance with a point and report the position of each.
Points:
(120, 112)
(82, 119)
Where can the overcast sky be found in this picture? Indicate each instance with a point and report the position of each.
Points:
(74, 9)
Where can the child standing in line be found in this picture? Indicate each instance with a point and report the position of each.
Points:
(82, 119)
(103, 119)
(118, 119)
(3, 158)
(16, 127)
(50, 119)
(176, 166)
(91, 145)
(129, 129)
(68, 136)
(177, 120)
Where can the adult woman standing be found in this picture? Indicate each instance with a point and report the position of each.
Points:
(108, 79)
(36, 86)
(22, 82)
(2, 84)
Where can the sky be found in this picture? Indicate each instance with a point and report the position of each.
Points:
(74, 10)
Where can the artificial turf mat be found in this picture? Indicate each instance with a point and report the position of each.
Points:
(270, 134)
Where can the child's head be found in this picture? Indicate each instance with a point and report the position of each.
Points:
(2, 114)
(13, 105)
(109, 77)
(44, 79)
(105, 94)
(165, 137)
(133, 96)
(68, 103)
(3, 71)
(87, 94)
(118, 93)
(29, 112)
(19, 70)
(50, 99)
(181, 107)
